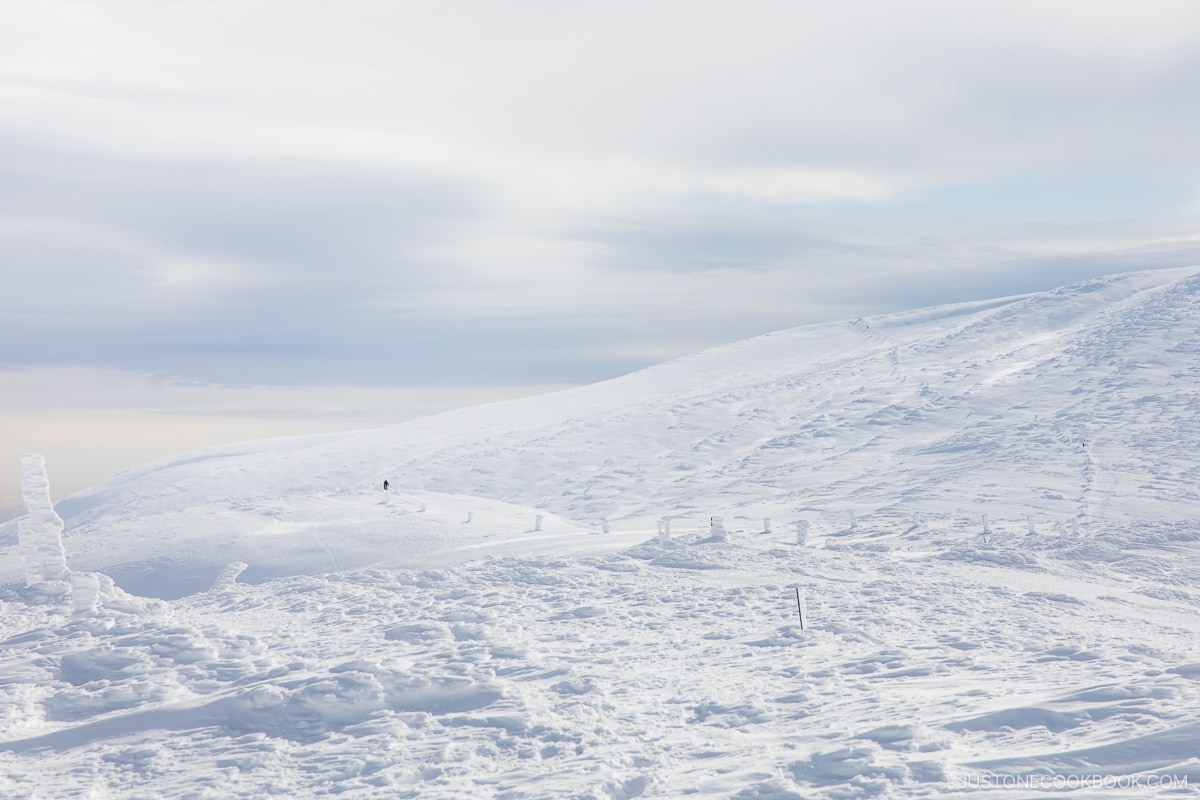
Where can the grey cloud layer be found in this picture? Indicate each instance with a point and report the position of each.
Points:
(528, 192)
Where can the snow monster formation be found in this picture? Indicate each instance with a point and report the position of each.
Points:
(41, 531)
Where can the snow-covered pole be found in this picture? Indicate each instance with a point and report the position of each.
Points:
(39, 534)
(801, 532)
(985, 524)
(227, 580)
(537, 522)
(604, 526)
(1029, 523)
(717, 527)
(766, 525)
(853, 521)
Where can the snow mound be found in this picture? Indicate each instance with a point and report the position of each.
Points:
(192, 549)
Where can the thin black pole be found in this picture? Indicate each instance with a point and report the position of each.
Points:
(799, 608)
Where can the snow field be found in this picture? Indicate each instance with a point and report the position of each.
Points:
(658, 671)
(1000, 569)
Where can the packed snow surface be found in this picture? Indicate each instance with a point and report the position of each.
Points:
(991, 511)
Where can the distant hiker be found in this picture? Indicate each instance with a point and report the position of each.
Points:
(385, 486)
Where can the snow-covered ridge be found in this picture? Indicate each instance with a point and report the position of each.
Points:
(1074, 403)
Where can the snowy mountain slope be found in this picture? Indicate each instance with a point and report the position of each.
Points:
(1076, 403)
(373, 649)
(1070, 403)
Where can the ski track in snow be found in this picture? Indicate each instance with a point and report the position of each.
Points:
(278, 625)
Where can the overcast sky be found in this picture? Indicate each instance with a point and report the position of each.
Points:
(228, 220)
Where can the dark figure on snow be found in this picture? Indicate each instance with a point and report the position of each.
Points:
(385, 486)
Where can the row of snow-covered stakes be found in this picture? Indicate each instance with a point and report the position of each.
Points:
(719, 533)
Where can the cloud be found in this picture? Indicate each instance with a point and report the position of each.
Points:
(109, 259)
(412, 193)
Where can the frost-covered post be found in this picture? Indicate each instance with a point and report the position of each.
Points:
(227, 580)
(1029, 523)
(87, 590)
(470, 516)
(766, 525)
(717, 526)
(853, 521)
(40, 533)
(604, 526)
(801, 532)
(985, 525)
(537, 522)
(664, 531)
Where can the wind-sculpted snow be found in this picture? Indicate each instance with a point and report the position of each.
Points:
(40, 531)
(664, 670)
(992, 511)
(171, 554)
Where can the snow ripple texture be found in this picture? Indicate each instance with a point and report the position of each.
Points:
(628, 676)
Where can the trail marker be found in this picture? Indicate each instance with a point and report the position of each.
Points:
(800, 598)
(717, 528)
